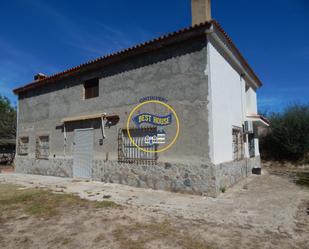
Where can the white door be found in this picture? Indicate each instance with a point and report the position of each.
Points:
(83, 153)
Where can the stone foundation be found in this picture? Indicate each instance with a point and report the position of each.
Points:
(52, 167)
(195, 178)
(202, 178)
(229, 173)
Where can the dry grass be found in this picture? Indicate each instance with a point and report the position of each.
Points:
(60, 241)
(138, 235)
(106, 204)
(18, 203)
(99, 237)
(302, 178)
(42, 203)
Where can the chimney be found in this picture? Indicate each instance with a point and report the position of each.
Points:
(201, 11)
(39, 76)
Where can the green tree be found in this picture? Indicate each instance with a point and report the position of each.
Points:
(7, 118)
(288, 136)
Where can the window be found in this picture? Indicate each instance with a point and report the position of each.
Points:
(91, 88)
(129, 153)
(23, 143)
(238, 153)
(42, 147)
(251, 145)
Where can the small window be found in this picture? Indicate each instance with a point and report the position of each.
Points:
(238, 151)
(23, 143)
(42, 147)
(91, 88)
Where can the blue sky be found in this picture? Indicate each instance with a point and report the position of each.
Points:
(53, 35)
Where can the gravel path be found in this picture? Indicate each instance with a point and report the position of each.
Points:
(265, 202)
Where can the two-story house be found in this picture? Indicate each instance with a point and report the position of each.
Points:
(79, 122)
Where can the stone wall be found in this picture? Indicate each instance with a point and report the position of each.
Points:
(175, 177)
(229, 173)
(195, 178)
(53, 167)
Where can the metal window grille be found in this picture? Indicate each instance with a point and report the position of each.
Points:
(23, 143)
(251, 145)
(129, 153)
(42, 147)
(238, 148)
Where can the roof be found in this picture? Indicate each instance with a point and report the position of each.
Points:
(145, 47)
(84, 117)
(257, 117)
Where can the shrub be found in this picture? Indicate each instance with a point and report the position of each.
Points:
(288, 136)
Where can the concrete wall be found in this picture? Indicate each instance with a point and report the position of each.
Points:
(176, 73)
(251, 101)
(251, 108)
(227, 104)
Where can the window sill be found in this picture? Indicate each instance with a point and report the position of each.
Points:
(42, 158)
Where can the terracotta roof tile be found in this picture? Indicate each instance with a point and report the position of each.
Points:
(137, 48)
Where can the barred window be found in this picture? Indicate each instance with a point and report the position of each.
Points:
(251, 145)
(129, 153)
(23, 143)
(42, 147)
(238, 148)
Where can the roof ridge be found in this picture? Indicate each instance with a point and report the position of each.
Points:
(132, 48)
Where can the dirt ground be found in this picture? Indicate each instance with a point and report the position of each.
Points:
(6, 168)
(267, 211)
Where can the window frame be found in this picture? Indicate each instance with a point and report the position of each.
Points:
(238, 154)
(129, 153)
(251, 144)
(39, 147)
(91, 88)
(25, 144)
